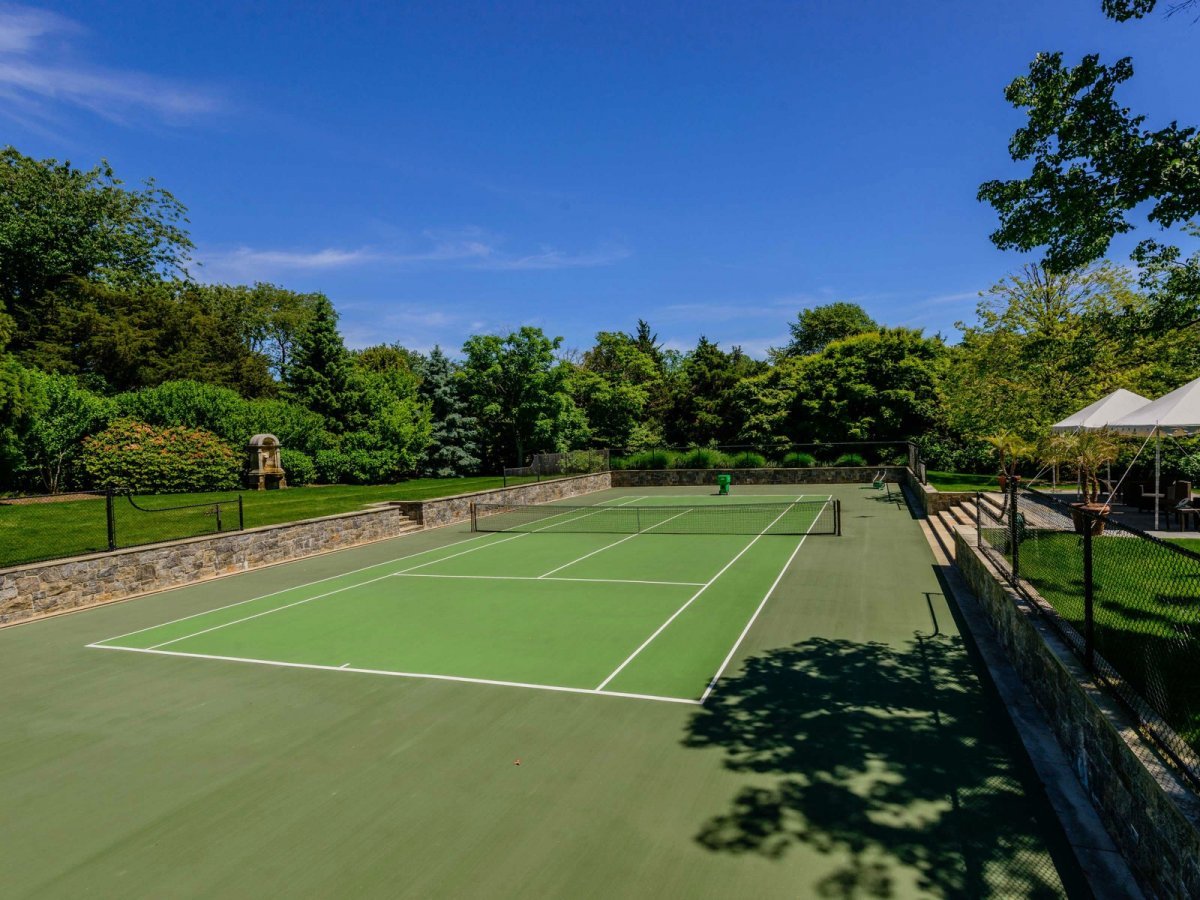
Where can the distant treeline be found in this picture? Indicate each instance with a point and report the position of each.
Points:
(103, 332)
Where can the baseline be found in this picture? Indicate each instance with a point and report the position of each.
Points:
(348, 668)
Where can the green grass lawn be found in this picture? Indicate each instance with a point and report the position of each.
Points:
(34, 531)
(959, 481)
(1147, 611)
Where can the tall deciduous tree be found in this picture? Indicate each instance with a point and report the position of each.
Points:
(817, 327)
(59, 224)
(879, 385)
(518, 392)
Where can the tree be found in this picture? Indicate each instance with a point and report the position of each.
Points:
(1093, 163)
(454, 439)
(383, 412)
(126, 337)
(59, 224)
(1124, 10)
(815, 328)
(619, 386)
(62, 414)
(1043, 345)
(518, 392)
(320, 376)
(881, 385)
(705, 408)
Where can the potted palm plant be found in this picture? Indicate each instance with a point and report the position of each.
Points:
(1087, 452)
(1010, 449)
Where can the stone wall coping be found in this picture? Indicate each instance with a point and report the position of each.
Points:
(196, 538)
(472, 494)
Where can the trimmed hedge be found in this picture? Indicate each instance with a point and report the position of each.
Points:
(702, 458)
(850, 459)
(298, 467)
(799, 461)
(749, 461)
(131, 455)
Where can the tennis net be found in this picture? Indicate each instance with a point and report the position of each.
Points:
(800, 517)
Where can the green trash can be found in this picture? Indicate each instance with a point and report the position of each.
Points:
(723, 482)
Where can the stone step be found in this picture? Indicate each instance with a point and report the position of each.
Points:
(942, 526)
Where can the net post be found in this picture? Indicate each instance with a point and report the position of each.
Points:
(474, 517)
(837, 517)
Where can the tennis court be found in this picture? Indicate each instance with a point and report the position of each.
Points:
(644, 596)
(517, 713)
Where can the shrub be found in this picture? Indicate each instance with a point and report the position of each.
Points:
(582, 462)
(702, 458)
(357, 466)
(850, 459)
(648, 459)
(749, 461)
(133, 455)
(299, 467)
(799, 461)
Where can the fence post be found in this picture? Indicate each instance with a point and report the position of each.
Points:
(1089, 592)
(110, 519)
(474, 517)
(1013, 524)
(241, 515)
(218, 506)
(978, 519)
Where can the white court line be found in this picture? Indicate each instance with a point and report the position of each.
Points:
(426, 675)
(614, 544)
(661, 628)
(745, 631)
(544, 578)
(348, 587)
(307, 584)
(389, 562)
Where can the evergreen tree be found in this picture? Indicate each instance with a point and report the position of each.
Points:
(321, 375)
(454, 441)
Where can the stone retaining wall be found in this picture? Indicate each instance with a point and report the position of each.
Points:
(448, 510)
(1151, 813)
(41, 589)
(934, 501)
(702, 477)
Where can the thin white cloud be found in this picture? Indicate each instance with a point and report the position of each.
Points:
(467, 248)
(40, 72)
(549, 258)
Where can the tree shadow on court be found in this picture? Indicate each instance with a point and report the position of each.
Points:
(887, 758)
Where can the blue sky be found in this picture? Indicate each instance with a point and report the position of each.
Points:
(448, 168)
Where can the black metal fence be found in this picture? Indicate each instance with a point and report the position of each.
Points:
(96, 521)
(1126, 602)
(872, 453)
(558, 465)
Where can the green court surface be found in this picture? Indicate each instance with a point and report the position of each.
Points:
(575, 708)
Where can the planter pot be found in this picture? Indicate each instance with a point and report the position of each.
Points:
(1003, 479)
(1089, 515)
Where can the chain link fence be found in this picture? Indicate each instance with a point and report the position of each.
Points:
(1128, 604)
(96, 521)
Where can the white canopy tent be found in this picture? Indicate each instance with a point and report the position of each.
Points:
(1103, 413)
(1177, 414)
(1100, 415)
